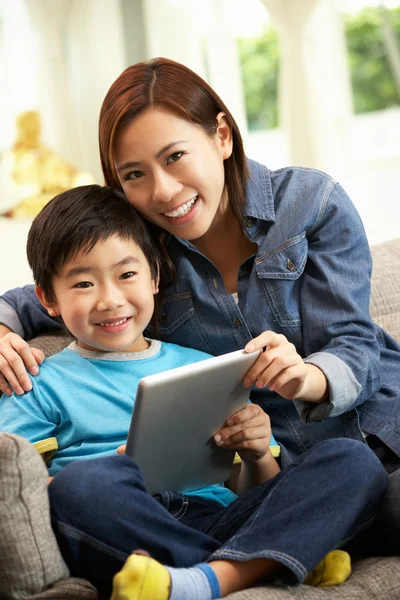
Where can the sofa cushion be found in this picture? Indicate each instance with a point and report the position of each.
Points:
(385, 297)
(372, 579)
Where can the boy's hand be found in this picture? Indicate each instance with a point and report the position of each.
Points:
(248, 432)
(16, 357)
(121, 449)
(284, 371)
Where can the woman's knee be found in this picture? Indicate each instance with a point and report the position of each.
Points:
(357, 464)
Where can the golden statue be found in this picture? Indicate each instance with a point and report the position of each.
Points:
(32, 174)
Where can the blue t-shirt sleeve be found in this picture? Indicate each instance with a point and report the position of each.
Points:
(21, 311)
(26, 416)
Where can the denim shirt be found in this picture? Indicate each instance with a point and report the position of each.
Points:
(310, 281)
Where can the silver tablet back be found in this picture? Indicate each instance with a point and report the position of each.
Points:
(175, 416)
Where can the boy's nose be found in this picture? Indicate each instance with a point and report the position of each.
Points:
(110, 300)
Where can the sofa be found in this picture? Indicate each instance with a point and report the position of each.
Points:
(372, 578)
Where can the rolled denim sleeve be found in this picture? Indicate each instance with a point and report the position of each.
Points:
(342, 385)
(21, 311)
(9, 317)
(339, 336)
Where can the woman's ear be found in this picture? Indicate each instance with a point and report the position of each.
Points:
(223, 135)
(51, 308)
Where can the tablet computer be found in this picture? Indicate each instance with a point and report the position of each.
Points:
(175, 416)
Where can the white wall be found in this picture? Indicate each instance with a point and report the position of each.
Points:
(14, 268)
(371, 174)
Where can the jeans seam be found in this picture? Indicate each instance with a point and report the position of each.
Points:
(77, 534)
(182, 511)
(250, 523)
(281, 557)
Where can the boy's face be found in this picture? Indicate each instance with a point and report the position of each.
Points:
(106, 297)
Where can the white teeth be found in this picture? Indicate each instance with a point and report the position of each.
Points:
(113, 324)
(182, 210)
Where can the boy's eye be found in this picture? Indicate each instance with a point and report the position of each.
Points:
(128, 275)
(174, 157)
(83, 285)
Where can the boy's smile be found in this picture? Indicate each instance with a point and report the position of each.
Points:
(106, 296)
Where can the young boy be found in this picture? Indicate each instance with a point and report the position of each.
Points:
(97, 269)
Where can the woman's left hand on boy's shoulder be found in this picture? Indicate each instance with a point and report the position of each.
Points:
(248, 432)
(281, 368)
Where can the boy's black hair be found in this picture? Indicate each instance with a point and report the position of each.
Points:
(76, 220)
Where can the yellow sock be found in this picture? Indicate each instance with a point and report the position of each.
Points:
(334, 569)
(141, 578)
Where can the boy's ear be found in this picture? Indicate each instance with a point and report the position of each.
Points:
(52, 309)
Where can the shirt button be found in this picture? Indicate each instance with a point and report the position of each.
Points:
(290, 265)
(236, 323)
(249, 222)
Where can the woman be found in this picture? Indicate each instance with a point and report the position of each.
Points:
(270, 260)
(255, 252)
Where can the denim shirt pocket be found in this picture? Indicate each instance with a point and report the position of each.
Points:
(279, 272)
(179, 323)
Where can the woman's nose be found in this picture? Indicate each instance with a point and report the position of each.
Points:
(166, 187)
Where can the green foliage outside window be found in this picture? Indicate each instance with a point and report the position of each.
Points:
(372, 80)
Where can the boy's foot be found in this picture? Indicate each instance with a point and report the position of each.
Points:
(143, 578)
(30, 558)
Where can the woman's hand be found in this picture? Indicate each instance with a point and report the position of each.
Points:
(248, 432)
(283, 370)
(16, 357)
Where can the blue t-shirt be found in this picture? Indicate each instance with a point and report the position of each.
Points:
(85, 400)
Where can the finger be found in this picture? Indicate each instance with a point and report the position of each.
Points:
(269, 363)
(4, 387)
(294, 375)
(121, 449)
(245, 414)
(255, 447)
(279, 364)
(28, 357)
(13, 368)
(38, 355)
(229, 432)
(266, 338)
(8, 374)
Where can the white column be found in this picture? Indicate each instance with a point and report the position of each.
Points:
(223, 61)
(315, 91)
(54, 98)
(95, 58)
(197, 34)
(173, 29)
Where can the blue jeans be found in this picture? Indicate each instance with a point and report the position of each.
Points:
(101, 512)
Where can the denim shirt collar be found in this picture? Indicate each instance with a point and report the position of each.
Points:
(259, 197)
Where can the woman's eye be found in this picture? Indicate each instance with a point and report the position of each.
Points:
(83, 285)
(174, 157)
(133, 175)
(128, 275)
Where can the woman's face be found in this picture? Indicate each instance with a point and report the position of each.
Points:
(173, 172)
